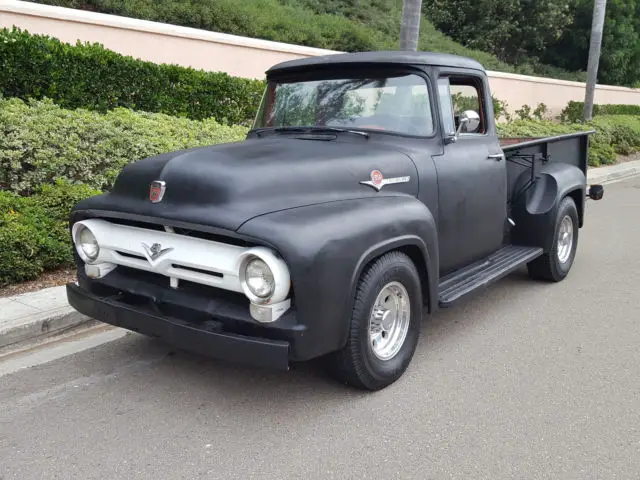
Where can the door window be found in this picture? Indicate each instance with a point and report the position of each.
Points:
(459, 94)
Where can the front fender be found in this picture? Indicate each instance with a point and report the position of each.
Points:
(534, 213)
(327, 246)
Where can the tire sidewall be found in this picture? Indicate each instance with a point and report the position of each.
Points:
(567, 208)
(385, 370)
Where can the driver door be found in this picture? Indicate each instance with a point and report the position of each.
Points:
(472, 176)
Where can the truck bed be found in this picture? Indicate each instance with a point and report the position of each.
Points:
(530, 153)
(571, 148)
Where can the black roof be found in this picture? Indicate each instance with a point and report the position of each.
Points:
(394, 57)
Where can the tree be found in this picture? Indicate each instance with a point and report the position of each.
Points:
(513, 30)
(410, 26)
(620, 51)
(599, 8)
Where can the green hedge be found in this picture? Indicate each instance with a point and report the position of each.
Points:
(34, 235)
(615, 134)
(574, 111)
(42, 142)
(89, 76)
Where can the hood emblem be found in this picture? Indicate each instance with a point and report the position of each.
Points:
(155, 251)
(378, 181)
(156, 191)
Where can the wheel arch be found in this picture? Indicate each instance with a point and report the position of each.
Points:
(415, 248)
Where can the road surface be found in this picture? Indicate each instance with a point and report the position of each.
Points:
(525, 381)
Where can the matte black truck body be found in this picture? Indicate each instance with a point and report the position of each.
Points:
(460, 211)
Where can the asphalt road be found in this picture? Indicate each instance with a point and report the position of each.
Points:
(524, 381)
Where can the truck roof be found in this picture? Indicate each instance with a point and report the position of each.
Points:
(381, 57)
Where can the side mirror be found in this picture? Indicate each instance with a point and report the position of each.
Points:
(469, 121)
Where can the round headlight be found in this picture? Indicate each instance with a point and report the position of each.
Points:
(87, 244)
(259, 279)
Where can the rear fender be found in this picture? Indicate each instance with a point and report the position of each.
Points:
(534, 212)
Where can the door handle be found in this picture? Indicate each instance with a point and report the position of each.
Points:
(496, 156)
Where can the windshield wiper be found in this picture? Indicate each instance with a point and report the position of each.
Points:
(338, 130)
(312, 129)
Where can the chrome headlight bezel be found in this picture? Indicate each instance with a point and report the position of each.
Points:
(277, 269)
(80, 243)
(260, 269)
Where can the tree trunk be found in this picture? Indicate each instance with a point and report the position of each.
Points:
(597, 26)
(410, 27)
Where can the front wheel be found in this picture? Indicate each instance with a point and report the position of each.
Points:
(554, 265)
(385, 324)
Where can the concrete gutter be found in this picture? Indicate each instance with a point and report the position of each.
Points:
(35, 315)
(32, 315)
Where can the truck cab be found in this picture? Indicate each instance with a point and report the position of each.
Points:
(372, 189)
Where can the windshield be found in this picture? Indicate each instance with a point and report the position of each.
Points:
(398, 104)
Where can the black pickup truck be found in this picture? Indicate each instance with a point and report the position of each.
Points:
(371, 189)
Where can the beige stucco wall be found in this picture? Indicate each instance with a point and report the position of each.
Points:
(518, 90)
(248, 57)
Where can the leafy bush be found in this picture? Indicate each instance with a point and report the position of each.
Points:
(34, 235)
(574, 111)
(615, 134)
(89, 76)
(353, 25)
(621, 132)
(42, 142)
(525, 112)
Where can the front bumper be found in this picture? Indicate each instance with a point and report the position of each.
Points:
(205, 338)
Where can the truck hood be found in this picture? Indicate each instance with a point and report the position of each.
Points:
(225, 185)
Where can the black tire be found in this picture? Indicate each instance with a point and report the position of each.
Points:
(356, 364)
(549, 267)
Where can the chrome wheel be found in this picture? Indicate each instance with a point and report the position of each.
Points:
(565, 239)
(389, 320)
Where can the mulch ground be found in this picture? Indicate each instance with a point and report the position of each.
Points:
(627, 158)
(48, 279)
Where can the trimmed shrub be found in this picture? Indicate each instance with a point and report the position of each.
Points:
(42, 142)
(574, 111)
(89, 76)
(34, 234)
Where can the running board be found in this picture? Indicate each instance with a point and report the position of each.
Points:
(484, 272)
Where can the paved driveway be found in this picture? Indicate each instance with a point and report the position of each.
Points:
(525, 381)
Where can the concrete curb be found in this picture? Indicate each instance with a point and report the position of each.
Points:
(613, 173)
(35, 315)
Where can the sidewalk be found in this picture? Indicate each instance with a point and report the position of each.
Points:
(35, 314)
(32, 315)
(613, 173)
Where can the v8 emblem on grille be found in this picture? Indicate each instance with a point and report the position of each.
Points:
(155, 251)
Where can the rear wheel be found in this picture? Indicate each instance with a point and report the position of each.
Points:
(554, 265)
(385, 324)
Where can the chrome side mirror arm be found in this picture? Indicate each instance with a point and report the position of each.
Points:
(454, 138)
